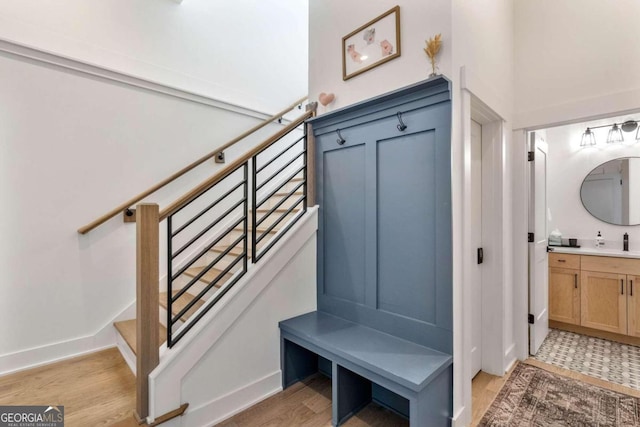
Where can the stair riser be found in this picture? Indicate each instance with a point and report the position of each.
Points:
(163, 319)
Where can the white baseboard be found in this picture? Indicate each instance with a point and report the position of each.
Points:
(46, 354)
(233, 403)
(510, 357)
(460, 418)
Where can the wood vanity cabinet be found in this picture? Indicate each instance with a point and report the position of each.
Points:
(604, 301)
(604, 295)
(564, 288)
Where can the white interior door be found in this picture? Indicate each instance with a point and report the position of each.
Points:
(538, 260)
(476, 236)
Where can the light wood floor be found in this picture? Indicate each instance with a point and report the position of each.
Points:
(308, 404)
(95, 390)
(99, 390)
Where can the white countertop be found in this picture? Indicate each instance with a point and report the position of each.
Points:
(596, 251)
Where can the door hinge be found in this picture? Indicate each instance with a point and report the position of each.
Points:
(531, 156)
(532, 319)
(531, 238)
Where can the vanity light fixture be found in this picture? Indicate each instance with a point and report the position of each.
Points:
(615, 133)
(588, 139)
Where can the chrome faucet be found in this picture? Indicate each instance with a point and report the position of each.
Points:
(625, 242)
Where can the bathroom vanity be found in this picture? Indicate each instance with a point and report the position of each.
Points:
(595, 288)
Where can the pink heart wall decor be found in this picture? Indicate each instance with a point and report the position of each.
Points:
(326, 98)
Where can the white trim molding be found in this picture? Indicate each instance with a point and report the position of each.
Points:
(93, 70)
(579, 111)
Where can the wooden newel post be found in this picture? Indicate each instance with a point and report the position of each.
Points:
(147, 293)
(311, 158)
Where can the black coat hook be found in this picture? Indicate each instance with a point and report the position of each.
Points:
(340, 139)
(401, 126)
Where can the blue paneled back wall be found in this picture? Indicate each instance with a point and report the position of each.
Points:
(384, 190)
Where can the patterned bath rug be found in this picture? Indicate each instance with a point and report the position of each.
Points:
(534, 397)
(596, 357)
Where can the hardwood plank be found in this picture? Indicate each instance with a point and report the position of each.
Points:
(484, 389)
(308, 404)
(97, 389)
(127, 329)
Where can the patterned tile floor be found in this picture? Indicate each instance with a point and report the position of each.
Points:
(599, 358)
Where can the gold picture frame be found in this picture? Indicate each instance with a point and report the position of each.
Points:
(370, 45)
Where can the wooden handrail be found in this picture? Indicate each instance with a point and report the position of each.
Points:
(196, 191)
(122, 207)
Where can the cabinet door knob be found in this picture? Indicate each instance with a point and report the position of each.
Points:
(631, 284)
(575, 280)
(562, 260)
(621, 286)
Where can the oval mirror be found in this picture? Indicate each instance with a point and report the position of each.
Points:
(611, 192)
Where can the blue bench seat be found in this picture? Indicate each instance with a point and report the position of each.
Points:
(361, 356)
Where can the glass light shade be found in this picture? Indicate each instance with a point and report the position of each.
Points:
(588, 138)
(615, 135)
(638, 135)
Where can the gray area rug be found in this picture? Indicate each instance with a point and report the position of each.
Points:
(535, 397)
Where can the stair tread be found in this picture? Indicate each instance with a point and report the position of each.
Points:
(127, 329)
(261, 229)
(180, 304)
(237, 250)
(279, 210)
(209, 276)
(286, 193)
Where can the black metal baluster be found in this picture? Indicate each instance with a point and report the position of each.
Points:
(254, 192)
(246, 215)
(169, 282)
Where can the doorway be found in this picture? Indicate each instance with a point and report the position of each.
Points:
(581, 312)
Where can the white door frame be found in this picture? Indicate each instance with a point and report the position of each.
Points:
(497, 231)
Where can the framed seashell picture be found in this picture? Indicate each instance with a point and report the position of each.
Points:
(374, 43)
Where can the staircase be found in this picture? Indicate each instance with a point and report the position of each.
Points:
(215, 233)
(127, 328)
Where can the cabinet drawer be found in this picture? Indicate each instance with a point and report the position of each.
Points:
(564, 261)
(611, 265)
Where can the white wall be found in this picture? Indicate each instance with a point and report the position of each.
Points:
(483, 82)
(568, 165)
(230, 360)
(246, 52)
(330, 20)
(575, 59)
(74, 146)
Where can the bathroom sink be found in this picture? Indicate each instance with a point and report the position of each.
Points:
(597, 251)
